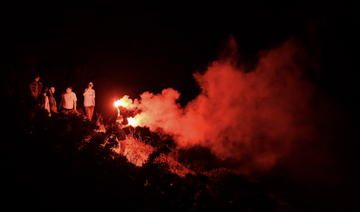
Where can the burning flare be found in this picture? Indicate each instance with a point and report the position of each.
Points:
(132, 122)
(125, 102)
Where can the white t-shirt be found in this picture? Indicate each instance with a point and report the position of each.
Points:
(69, 100)
(89, 97)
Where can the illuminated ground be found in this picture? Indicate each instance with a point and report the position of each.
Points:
(59, 170)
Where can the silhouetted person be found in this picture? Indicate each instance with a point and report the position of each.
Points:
(89, 101)
(45, 101)
(52, 100)
(35, 88)
(68, 100)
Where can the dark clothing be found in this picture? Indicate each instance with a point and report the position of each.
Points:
(52, 102)
(35, 89)
(67, 111)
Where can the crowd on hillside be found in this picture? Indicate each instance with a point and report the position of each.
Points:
(44, 99)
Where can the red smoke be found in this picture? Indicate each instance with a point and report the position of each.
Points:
(253, 117)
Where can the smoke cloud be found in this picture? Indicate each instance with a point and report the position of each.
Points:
(253, 117)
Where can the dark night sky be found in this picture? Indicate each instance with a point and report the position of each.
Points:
(141, 48)
(128, 50)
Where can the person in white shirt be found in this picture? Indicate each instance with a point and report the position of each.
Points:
(89, 101)
(68, 100)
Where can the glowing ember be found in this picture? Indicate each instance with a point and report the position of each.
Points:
(174, 166)
(135, 151)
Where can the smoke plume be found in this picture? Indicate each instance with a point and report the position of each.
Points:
(252, 117)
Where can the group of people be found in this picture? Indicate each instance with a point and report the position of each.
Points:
(45, 98)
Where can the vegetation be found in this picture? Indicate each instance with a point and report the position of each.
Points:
(63, 163)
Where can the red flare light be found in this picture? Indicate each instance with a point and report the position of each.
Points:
(125, 102)
(132, 122)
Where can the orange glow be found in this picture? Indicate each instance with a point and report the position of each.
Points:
(234, 108)
(125, 102)
(135, 151)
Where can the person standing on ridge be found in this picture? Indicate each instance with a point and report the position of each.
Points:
(52, 100)
(45, 102)
(68, 101)
(89, 100)
(36, 88)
